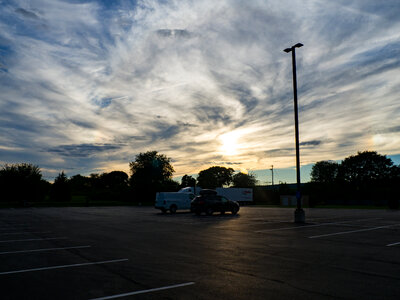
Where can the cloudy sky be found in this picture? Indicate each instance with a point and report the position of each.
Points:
(87, 85)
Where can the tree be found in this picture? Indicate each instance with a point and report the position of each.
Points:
(365, 167)
(150, 173)
(115, 180)
(188, 180)
(214, 177)
(22, 182)
(60, 190)
(80, 185)
(395, 172)
(114, 186)
(324, 172)
(244, 180)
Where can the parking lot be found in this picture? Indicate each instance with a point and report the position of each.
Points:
(139, 253)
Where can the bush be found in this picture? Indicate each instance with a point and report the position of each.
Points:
(22, 183)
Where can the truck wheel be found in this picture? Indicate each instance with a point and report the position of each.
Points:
(198, 212)
(172, 209)
(234, 211)
(222, 212)
(209, 211)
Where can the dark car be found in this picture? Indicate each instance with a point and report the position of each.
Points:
(209, 202)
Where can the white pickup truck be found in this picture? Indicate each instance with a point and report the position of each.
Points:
(173, 201)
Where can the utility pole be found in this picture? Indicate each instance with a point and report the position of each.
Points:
(272, 170)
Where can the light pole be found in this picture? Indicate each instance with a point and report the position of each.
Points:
(299, 215)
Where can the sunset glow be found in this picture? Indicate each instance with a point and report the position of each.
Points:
(87, 85)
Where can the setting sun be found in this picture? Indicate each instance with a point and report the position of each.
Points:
(229, 143)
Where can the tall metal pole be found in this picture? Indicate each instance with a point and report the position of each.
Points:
(299, 214)
(296, 126)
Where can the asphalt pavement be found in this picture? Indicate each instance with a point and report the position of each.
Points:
(140, 253)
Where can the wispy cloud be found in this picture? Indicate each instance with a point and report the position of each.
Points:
(87, 86)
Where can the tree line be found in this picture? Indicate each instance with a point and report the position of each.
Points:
(364, 178)
(150, 172)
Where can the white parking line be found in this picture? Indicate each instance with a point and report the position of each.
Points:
(64, 266)
(29, 240)
(17, 233)
(394, 244)
(352, 231)
(315, 225)
(293, 227)
(46, 249)
(145, 291)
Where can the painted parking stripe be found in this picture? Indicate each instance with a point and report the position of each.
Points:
(46, 249)
(64, 266)
(352, 231)
(18, 233)
(145, 291)
(394, 244)
(292, 227)
(29, 240)
(302, 226)
(315, 225)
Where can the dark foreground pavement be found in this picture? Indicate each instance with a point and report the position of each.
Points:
(139, 253)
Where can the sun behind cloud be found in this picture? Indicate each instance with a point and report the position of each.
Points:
(230, 144)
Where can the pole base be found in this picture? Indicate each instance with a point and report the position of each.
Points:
(299, 216)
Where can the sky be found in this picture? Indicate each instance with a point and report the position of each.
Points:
(85, 86)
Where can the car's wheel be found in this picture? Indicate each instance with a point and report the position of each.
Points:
(234, 210)
(222, 212)
(209, 211)
(197, 212)
(172, 209)
(163, 210)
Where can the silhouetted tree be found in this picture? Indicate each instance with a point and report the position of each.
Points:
(95, 179)
(395, 172)
(60, 190)
(170, 185)
(214, 177)
(150, 173)
(114, 186)
(324, 172)
(188, 180)
(365, 167)
(21, 182)
(244, 180)
(115, 180)
(364, 178)
(80, 185)
(393, 191)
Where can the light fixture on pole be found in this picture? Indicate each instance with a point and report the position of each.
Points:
(299, 215)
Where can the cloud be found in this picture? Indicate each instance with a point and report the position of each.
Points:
(394, 129)
(103, 103)
(26, 13)
(83, 150)
(89, 85)
(173, 33)
(310, 143)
